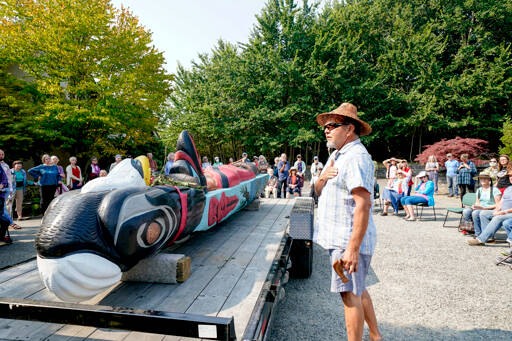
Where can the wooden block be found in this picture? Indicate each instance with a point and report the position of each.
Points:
(253, 206)
(161, 268)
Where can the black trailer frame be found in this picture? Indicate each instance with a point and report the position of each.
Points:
(150, 321)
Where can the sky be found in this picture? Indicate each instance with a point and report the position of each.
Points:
(183, 28)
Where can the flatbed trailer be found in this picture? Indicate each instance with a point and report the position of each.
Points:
(238, 271)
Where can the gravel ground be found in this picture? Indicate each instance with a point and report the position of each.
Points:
(23, 247)
(425, 281)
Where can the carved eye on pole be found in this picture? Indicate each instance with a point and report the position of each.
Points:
(153, 232)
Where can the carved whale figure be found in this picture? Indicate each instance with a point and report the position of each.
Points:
(88, 237)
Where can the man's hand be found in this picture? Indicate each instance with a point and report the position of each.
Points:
(360, 224)
(495, 213)
(329, 172)
(351, 260)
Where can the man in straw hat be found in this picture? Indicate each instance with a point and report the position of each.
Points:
(345, 225)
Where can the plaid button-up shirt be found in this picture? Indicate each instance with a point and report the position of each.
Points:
(336, 204)
(464, 175)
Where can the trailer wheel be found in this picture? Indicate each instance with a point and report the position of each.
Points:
(301, 255)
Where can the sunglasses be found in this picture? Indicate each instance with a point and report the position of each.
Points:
(332, 126)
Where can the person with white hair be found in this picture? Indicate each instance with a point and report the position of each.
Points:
(73, 174)
(271, 187)
(61, 188)
(169, 163)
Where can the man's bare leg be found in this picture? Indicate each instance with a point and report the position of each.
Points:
(354, 316)
(369, 316)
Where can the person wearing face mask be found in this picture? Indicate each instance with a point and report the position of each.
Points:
(492, 170)
(217, 162)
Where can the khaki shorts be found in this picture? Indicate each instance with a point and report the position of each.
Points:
(357, 283)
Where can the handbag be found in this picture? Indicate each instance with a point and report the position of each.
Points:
(466, 225)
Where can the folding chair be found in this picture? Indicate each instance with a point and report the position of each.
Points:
(423, 205)
(505, 259)
(467, 201)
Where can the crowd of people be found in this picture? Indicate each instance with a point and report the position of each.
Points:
(492, 208)
(287, 181)
(52, 180)
(491, 211)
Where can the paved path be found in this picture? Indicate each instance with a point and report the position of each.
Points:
(425, 281)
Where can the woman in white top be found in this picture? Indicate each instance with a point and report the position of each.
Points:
(392, 194)
(391, 169)
(73, 175)
(432, 169)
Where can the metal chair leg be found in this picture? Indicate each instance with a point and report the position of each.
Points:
(504, 259)
(445, 218)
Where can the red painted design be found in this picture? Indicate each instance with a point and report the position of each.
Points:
(218, 210)
(179, 155)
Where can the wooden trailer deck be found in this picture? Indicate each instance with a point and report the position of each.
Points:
(229, 267)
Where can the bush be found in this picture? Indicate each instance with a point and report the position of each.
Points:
(506, 139)
(473, 147)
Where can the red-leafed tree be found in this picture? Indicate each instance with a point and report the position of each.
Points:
(475, 148)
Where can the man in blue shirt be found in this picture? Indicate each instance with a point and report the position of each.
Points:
(451, 166)
(282, 174)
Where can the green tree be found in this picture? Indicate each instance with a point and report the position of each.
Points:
(101, 82)
(418, 72)
(506, 139)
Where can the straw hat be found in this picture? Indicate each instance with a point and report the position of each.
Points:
(293, 169)
(347, 110)
(484, 174)
(422, 174)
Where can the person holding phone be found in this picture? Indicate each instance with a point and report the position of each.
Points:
(465, 173)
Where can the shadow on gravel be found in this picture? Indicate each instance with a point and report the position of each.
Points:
(420, 333)
(310, 311)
